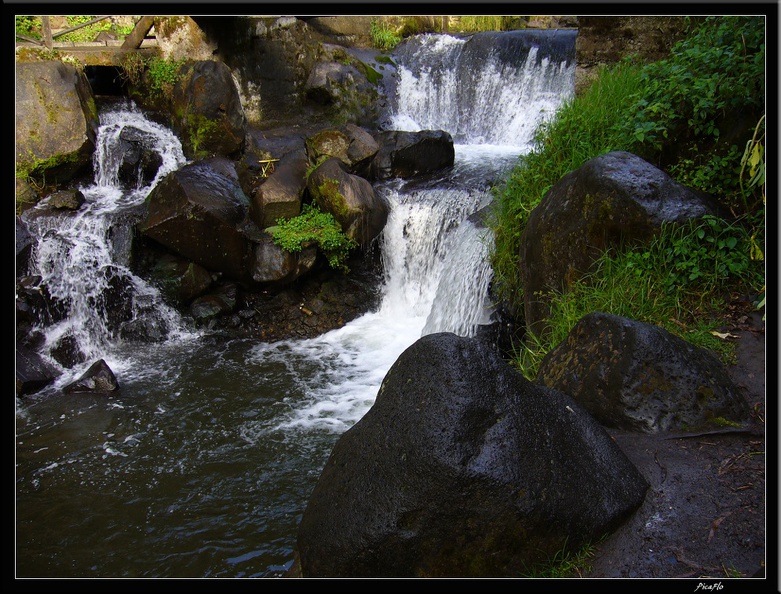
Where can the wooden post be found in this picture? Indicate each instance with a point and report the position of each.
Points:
(136, 37)
(46, 31)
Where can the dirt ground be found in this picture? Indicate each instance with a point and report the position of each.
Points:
(704, 516)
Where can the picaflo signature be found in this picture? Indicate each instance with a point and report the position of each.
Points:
(712, 587)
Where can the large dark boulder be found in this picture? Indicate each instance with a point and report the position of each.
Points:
(614, 199)
(350, 199)
(208, 114)
(197, 212)
(639, 377)
(463, 468)
(56, 121)
(407, 154)
(140, 162)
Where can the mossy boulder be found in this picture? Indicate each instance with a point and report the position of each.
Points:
(208, 114)
(56, 122)
(611, 200)
(639, 377)
(350, 199)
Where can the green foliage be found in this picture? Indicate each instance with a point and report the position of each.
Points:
(87, 33)
(584, 128)
(29, 26)
(753, 162)
(133, 66)
(717, 71)
(564, 564)
(384, 38)
(200, 130)
(313, 226)
(707, 253)
(473, 24)
(163, 75)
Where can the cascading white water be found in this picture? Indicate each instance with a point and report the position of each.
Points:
(77, 255)
(436, 260)
(475, 93)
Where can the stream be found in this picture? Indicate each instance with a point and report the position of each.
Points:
(202, 463)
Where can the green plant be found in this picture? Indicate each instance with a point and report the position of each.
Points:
(564, 564)
(163, 75)
(472, 24)
(28, 26)
(707, 252)
(754, 158)
(384, 38)
(86, 33)
(313, 226)
(200, 130)
(679, 119)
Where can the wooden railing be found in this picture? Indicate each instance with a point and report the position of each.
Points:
(132, 41)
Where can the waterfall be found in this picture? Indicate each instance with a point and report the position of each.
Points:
(490, 88)
(490, 92)
(201, 464)
(83, 257)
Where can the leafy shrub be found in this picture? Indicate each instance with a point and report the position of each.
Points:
(313, 226)
(708, 253)
(716, 72)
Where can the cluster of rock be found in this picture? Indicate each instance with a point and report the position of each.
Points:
(464, 468)
(203, 233)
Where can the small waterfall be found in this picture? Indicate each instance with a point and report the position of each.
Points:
(83, 257)
(490, 88)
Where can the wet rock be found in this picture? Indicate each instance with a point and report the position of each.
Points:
(277, 267)
(33, 373)
(450, 475)
(280, 195)
(198, 213)
(66, 199)
(97, 379)
(140, 162)
(639, 377)
(180, 279)
(407, 154)
(215, 304)
(66, 351)
(24, 244)
(208, 112)
(613, 199)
